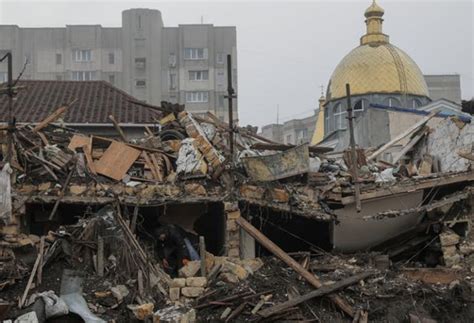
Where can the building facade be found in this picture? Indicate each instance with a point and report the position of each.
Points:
(291, 132)
(153, 63)
(447, 86)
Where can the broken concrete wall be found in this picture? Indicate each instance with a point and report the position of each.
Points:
(358, 231)
(445, 140)
(5, 195)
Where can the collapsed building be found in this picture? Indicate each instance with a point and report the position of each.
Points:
(92, 202)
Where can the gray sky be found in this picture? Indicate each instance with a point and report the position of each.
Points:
(288, 49)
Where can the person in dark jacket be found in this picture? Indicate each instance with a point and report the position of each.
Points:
(171, 248)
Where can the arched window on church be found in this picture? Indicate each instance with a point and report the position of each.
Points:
(361, 105)
(339, 117)
(392, 102)
(416, 103)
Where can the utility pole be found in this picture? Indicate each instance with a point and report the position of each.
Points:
(355, 170)
(11, 121)
(278, 114)
(230, 95)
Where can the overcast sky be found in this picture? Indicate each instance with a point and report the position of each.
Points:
(288, 49)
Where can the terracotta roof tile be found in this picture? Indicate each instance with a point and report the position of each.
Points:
(96, 100)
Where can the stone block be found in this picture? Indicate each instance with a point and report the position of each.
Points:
(190, 269)
(196, 282)
(77, 189)
(192, 292)
(235, 269)
(178, 282)
(233, 215)
(195, 189)
(280, 195)
(230, 206)
(231, 225)
(175, 293)
(175, 314)
(448, 238)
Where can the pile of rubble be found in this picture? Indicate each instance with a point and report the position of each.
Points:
(101, 265)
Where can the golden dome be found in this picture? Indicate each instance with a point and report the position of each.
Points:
(377, 69)
(376, 66)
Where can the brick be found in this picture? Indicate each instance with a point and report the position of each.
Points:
(230, 206)
(178, 282)
(192, 292)
(252, 192)
(231, 225)
(190, 269)
(77, 189)
(175, 293)
(229, 278)
(233, 215)
(196, 282)
(280, 195)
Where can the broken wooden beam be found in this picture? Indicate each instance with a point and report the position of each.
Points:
(51, 118)
(324, 290)
(277, 251)
(117, 127)
(63, 191)
(413, 141)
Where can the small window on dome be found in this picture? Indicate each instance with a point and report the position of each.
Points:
(361, 105)
(392, 102)
(339, 117)
(416, 103)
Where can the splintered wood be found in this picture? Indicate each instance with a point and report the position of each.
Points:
(116, 160)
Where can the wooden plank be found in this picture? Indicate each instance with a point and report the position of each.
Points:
(117, 127)
(149, 164)
(30, 280)
(62, 192)
(410, 145)
(79, 141)
(116, 160)
(277, 251)
(158, 169)
(39, 275)
(100, 256)
(51, 118)
(324, 290)
(407, 132)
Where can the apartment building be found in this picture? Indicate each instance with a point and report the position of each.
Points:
(184, 64)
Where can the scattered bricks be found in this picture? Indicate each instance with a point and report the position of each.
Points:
(280, 195)
(44, 186)
(231, 225)
(27, 188)
(192, 292)
(235, 269)
(448, 238)
(196, 282)
(190, 269)
(252, 265)
(210, 261)
(233, 215)
(174, 293)
(178, 282)
(467, 248)
(195, 189)
(252, 192)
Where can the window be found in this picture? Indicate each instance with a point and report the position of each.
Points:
(198, 75)
(195, 53)
(140, 83)
(304, 133)
(221, 101)
(220, 58)
(140, 63)
(139, 22)
(220, 78)
(3, 77)
(172, 81)
(112, 79)
(111, 58)
(361, 105)
(59, 77)
(392, 102)
(82, 55)
(59, 59)
(288, 139)
(339, 117)
(172, 60)
(197, 96)
(82, 76)
(416, 103)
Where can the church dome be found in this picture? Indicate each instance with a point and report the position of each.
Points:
(376, 66)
